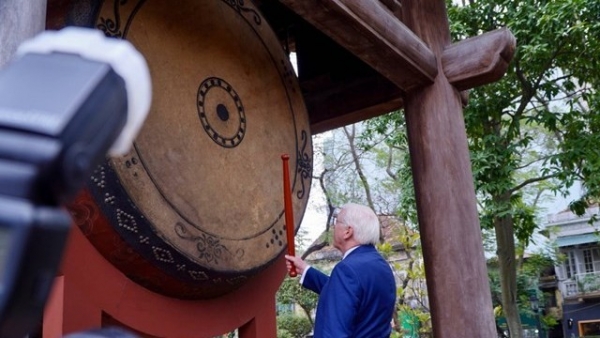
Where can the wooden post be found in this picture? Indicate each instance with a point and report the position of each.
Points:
(457, 282)
(19, 21)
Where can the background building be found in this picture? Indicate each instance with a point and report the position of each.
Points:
(578, 271)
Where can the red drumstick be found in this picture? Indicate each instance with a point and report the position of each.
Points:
(289, 212)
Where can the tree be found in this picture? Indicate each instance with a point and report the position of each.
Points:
(538, 125)
(411, 289)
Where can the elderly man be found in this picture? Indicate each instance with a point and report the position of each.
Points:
(358, 299)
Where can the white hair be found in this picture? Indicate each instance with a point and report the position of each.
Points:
(364, 222)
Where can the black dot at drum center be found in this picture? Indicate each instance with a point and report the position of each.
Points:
(222, 112)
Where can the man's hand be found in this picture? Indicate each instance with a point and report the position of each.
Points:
(297, 262)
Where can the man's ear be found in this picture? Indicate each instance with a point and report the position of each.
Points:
(348, 232)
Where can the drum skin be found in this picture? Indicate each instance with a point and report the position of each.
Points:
(196, 208)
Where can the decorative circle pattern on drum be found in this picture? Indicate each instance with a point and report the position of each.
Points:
(214, 113)
(196, 208)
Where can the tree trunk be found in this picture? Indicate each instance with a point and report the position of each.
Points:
(504, 228)
(307, 313)
(356, 160)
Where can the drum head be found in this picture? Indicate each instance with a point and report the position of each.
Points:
(197, 206)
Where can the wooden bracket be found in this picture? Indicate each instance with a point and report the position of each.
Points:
(479, 60)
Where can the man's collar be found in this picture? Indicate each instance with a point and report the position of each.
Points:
(349, 251)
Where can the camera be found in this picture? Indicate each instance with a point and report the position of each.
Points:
(67, 99)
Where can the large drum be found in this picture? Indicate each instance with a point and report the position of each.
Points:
(196, 208)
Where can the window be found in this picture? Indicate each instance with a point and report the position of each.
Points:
(588, 262)
(596, 258)
(589, 328)
(570, 266)
(591, 260)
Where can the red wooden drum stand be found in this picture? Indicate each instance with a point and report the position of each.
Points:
(91, 293)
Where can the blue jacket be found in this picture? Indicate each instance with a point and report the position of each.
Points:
(358, 299)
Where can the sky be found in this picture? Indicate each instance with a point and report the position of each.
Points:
(315, 215)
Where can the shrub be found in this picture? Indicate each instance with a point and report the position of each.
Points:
(296, 326)
(281, 333)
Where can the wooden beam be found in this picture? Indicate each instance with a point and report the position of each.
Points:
(337, 105)
(394, 6)
(371, 32)
(479, 60)
(355, 116)
(360, 113)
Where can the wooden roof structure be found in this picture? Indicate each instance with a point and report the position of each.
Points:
(356, 59)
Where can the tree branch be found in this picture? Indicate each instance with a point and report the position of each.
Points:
(530, 181)
(388, 168)
(356, 160)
